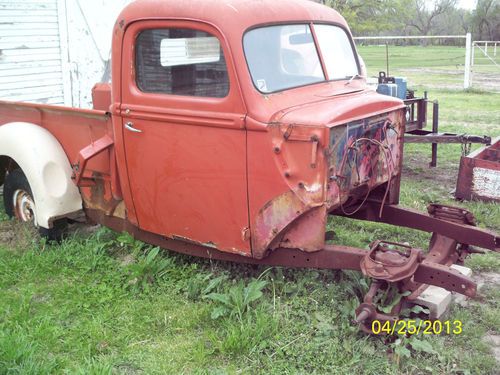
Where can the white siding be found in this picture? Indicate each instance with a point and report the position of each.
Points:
(90, 28)
(30, 51)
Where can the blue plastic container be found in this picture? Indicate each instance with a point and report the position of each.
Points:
(402, 86)
(390, 89)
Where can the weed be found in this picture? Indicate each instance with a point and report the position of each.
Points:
(237, 301)
(149, 267)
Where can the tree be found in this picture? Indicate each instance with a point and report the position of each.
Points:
(486, 20)
(367, 17)
(423, 18)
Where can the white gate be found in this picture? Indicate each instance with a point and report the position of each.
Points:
(485, 66)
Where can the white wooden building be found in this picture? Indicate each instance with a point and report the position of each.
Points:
(54, 51)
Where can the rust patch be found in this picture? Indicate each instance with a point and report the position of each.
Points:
(99, 197)
(307, 232)
(288, 222)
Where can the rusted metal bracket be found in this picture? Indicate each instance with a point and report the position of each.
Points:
(85, 155)
(386, 261)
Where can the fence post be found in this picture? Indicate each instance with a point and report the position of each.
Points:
(467, 70)
(473, 55)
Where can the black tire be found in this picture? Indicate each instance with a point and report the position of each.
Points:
(16, 184)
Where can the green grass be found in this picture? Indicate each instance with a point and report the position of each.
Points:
(433, 67)
(102, 303)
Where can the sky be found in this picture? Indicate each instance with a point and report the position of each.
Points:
(467, 4)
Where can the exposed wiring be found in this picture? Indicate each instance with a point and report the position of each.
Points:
(354, 146)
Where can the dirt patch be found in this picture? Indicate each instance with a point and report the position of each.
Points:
(16, 235)
(487, 81)
(126, 259)
(443, 177)
(487, 279)
(82, 228)
(494, 341)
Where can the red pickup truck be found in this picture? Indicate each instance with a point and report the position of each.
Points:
(231, 130)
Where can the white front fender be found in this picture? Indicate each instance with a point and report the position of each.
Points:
(47, 168)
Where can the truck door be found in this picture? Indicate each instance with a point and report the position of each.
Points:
(184, 134)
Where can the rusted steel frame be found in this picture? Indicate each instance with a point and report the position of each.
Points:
(405, 217)
(88, 153)
(435, 129)
(418, 115)
(392, 263)
(445, 277)
(431, 137)
(332, 257)
(384, 263)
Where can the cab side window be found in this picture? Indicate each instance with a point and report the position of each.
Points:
(183, 62)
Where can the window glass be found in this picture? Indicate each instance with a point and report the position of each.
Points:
(285, 56)
(337, 51)
(181, 62)
(281, 57)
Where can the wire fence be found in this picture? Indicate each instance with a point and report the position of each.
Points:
(446, 61)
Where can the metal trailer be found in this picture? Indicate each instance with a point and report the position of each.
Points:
(479, 174)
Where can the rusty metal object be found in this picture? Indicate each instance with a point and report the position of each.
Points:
(409, 218)
(443, 276)
(424, 136)
(331, 257)
(273, 218)
(99, 197)
(391, 261)
(479, 174)
(367, 311)
(87, 153)
(24, 206)
(416, 113)
(406, 268)
(416, 121)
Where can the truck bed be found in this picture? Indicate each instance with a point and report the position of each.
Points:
(74, 128)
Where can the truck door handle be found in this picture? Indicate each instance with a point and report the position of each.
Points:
(130, 126)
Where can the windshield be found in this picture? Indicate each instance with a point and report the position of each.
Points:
(285, 56)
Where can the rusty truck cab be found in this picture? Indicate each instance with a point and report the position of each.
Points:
(244, 123)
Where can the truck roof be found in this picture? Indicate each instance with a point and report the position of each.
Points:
(231, 16)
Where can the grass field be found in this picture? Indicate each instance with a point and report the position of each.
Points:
(434, 67)
(102, 303)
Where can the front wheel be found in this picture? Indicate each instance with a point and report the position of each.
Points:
(19, 204)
